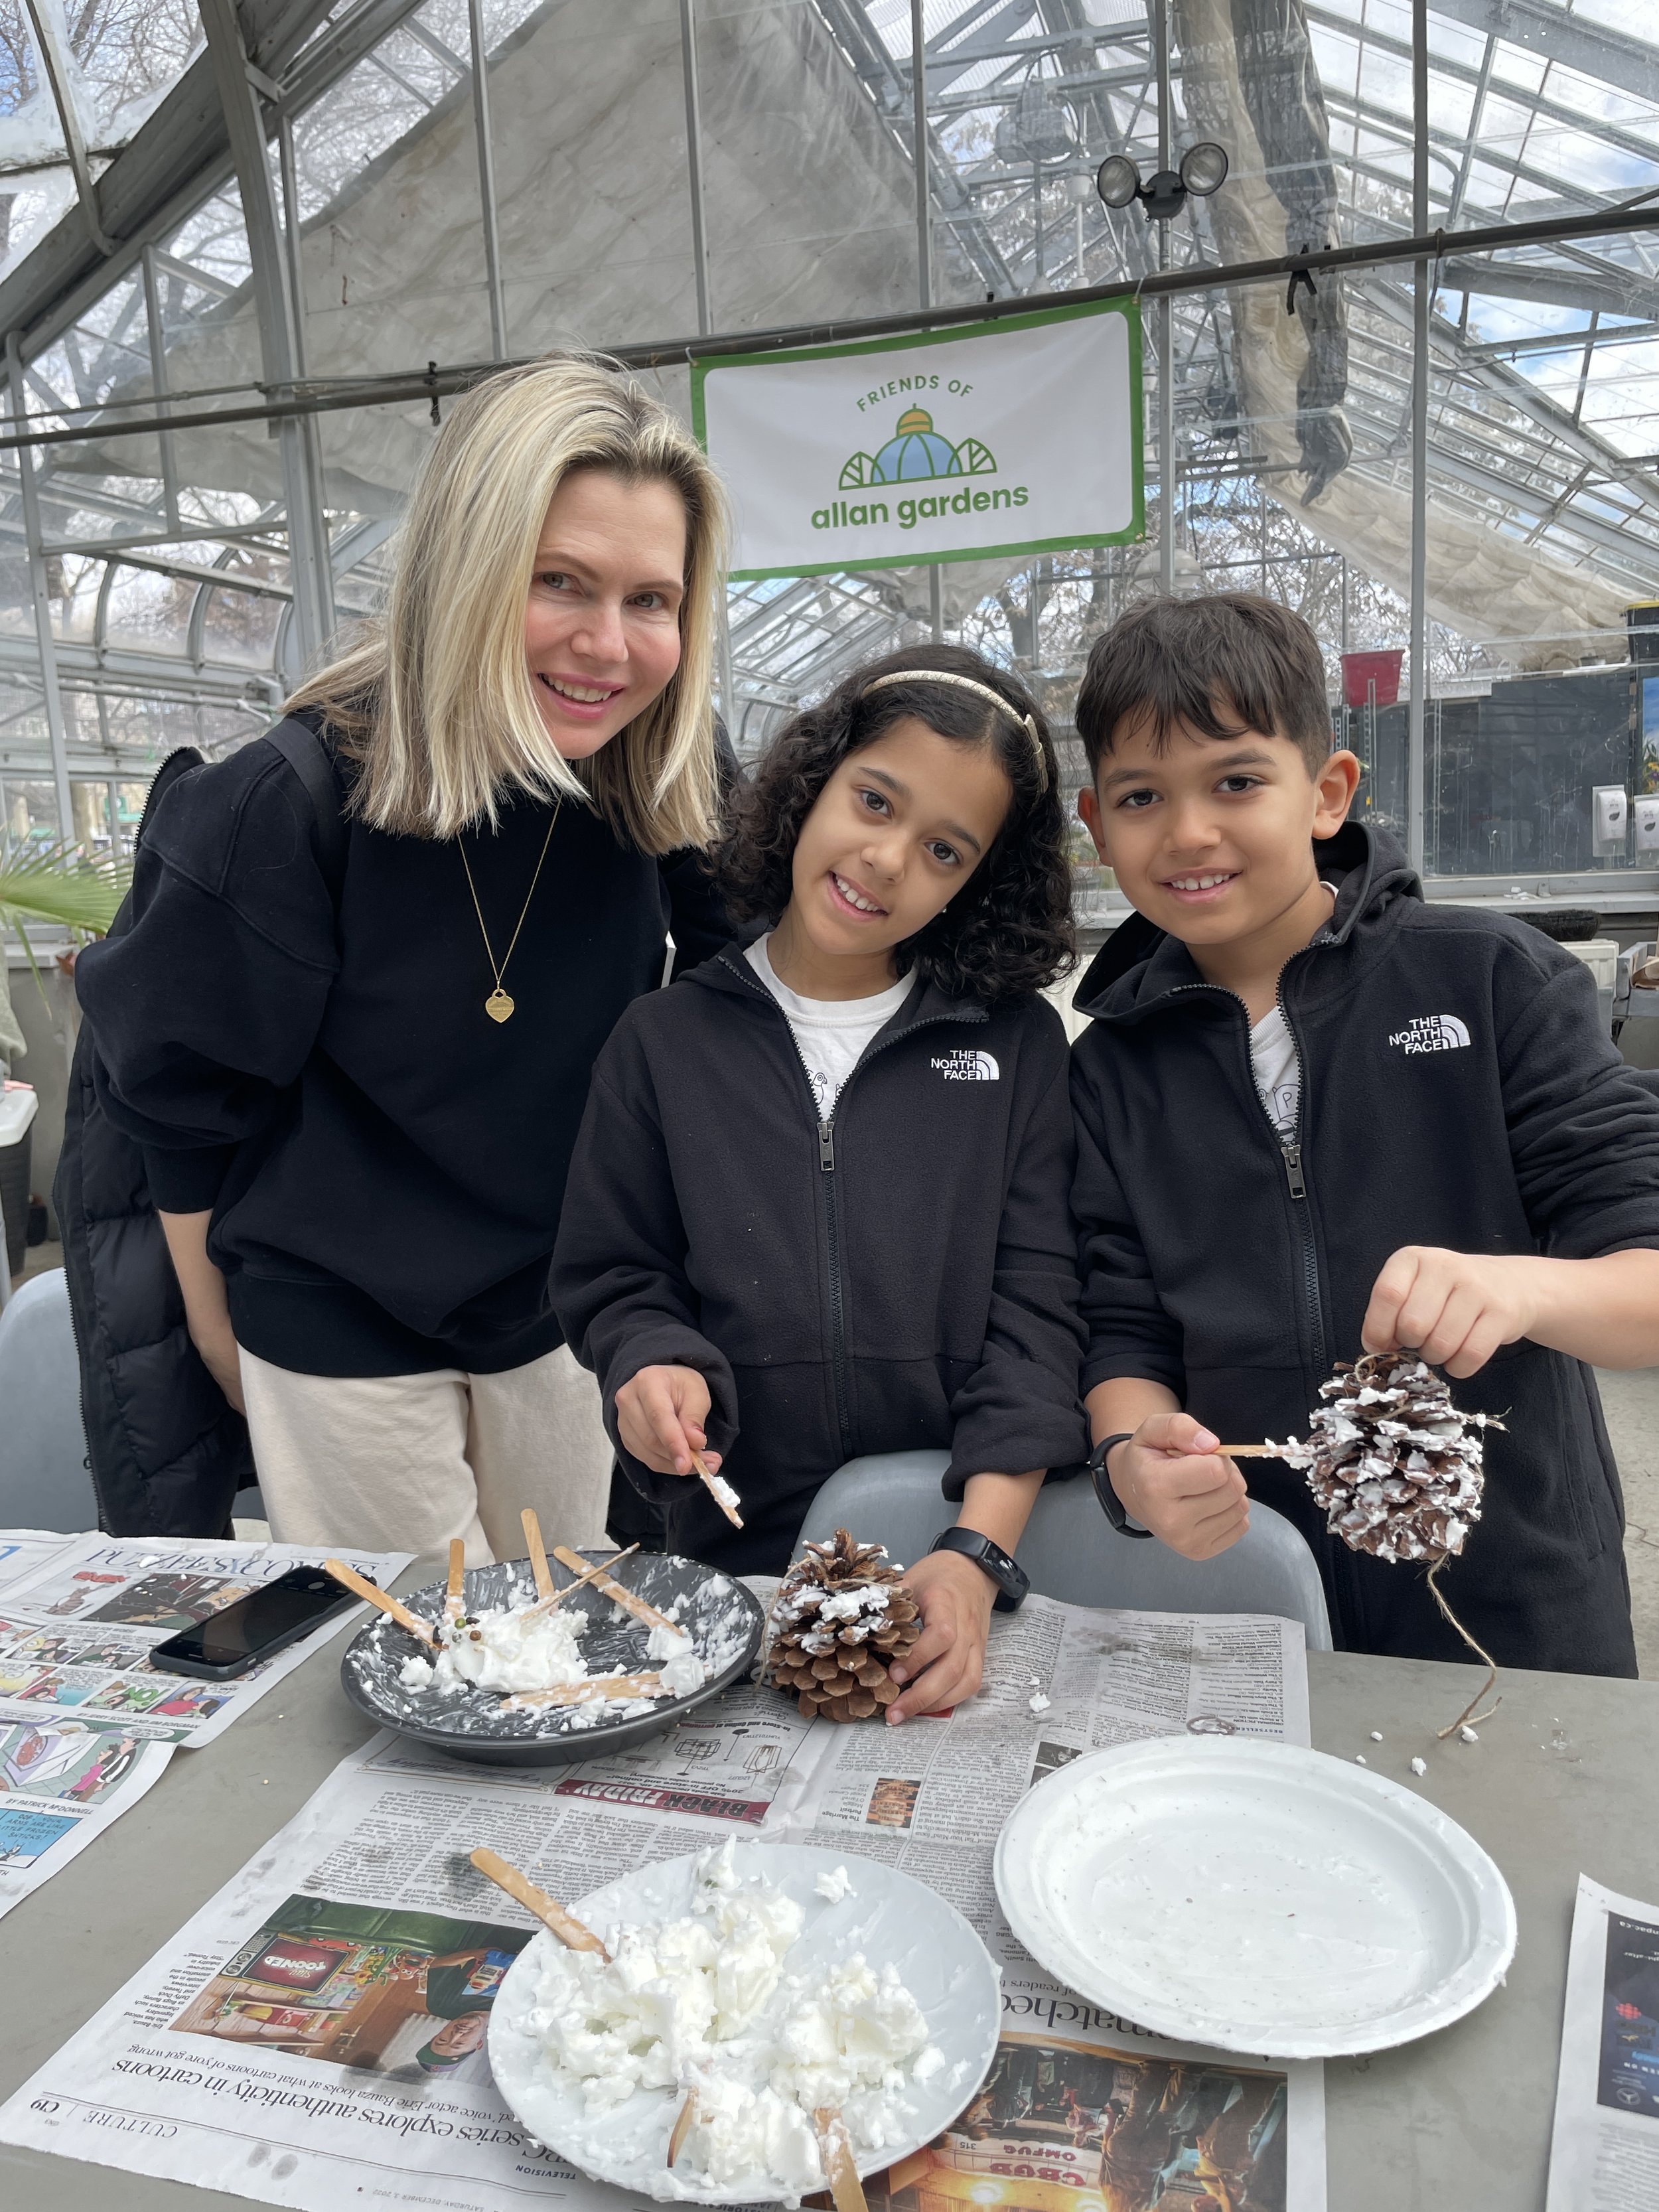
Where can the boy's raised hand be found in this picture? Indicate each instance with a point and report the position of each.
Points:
(1171, 1481)
(1456, 1308)
(661, 1414)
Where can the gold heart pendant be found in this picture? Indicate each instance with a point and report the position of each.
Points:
(498, 1005)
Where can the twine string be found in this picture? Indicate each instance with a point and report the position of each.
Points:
(1465, 1716)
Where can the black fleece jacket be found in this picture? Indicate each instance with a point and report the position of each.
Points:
(384, 1163)
(1457, 1090)
(902, 1276)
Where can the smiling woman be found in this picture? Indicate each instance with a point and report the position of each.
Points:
(353, 1039)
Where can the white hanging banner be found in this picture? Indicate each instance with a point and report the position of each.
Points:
(1014, 436)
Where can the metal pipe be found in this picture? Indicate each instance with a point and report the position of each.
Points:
(1422, 303)
(45, 642)
(664, 353)
(59, 62)
(1168, 468)
(921, 158)
(694, 160)
(288, 169)
(480, 58)
(158, 381)
(309, 563)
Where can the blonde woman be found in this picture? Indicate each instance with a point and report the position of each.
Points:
(356, 1063)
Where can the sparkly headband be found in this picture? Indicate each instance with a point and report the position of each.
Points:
(971, 684)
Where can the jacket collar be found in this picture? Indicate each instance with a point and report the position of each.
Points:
(729, 972)
(1139, 966)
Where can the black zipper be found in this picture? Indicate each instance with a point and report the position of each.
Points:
(1290, 1153)
(826, 1129)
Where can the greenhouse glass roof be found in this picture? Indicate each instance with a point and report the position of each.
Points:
(262, 222)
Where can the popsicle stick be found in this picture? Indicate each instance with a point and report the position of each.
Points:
(721, 1492)
(547, 1604)
(836, 2152)
(609, 1587)
(684, 2120)
(587, 1693)
(1249, 1451)
(454, 1596)
(539, 1567)
(518, 1887)
(374, 1595)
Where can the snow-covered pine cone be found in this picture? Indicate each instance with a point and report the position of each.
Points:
(1396, 1465)
(843, 1616)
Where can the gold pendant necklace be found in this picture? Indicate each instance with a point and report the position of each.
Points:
(499, 1005)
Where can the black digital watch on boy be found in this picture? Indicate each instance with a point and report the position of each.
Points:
(1110, 1504)
(1011, 1578)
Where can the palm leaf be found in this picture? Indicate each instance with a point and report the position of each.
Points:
(57, 884)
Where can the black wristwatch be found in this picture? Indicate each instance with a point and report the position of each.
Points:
(1011, 1578)
(1110, 1504)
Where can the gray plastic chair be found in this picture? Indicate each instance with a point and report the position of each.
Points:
(1072, 1551)
(44, 1483)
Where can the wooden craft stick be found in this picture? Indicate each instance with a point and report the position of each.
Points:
(684, 2120)
(454, 1596)
(374, 1595)
(721, 1492)
(604, 1582)
(1249, 1451)
(547, 1604)
(836, 2152)
(587, 1693)
(518, 1887)
(539, 1567)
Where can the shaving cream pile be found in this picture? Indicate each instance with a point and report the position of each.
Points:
(706, 2004)
(523, 1647)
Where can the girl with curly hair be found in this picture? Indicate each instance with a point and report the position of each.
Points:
(818, 1205)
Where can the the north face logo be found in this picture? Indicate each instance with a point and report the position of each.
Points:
(967, 1067)
(1432, 1033)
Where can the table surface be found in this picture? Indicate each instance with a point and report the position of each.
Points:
(1564, 1780)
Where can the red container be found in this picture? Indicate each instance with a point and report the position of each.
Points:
(1360, 670)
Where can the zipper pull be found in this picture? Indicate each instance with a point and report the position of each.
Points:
(1293, 1171)
(827, 1147)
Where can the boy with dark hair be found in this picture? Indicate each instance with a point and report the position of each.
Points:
(1316, 1115)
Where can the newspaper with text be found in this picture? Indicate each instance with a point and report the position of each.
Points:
(1604, 2152)
(314, 2037)
(87, 1725)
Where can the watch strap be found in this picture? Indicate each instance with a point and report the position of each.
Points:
(1110, 1504)
(1012, 1581)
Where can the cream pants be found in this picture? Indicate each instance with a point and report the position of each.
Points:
(403, 1462)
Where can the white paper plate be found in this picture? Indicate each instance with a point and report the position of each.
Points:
(888, 1916)
(1253, 1896)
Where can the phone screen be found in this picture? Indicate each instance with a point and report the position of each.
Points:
(263, 1621)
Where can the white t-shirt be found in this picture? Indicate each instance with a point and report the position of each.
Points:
(1278, 1078)
(1273, 1063)
(831, 1033)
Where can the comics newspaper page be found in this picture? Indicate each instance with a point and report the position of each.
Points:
(78, 1628)
(62, 1781)
(1604, 2153)
(315, 2036)
(87, 1725)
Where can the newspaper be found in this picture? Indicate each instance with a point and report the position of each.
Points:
(1604, 2152)
(314, 2037)
(86, 1724)
(78, 1625)
(24, 1552)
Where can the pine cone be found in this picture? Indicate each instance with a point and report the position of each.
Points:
(1396, 1465)
(841, 1617)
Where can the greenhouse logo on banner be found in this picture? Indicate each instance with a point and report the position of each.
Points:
(1021, 435)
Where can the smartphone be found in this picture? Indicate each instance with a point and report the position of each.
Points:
(229, 1642)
